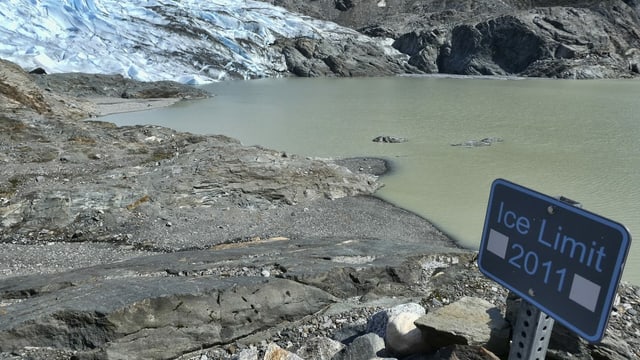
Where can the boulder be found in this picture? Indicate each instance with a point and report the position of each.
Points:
(320, 348)
(422, 47)
(275, 352)
(468, 321)
(403, 337)
(245, 354)
(365, 347)
(379, 321)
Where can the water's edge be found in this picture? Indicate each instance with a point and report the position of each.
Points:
(561, 137)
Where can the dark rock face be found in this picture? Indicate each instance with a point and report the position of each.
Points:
(344, 5)
(350, 57)
(499, 46)
(559, 39)
(422, 47)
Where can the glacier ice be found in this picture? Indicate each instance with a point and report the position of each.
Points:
(191, 41)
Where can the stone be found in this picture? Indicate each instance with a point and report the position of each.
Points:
(320, 348)
(468, 321)
(466, 352)
(365, 347)
(422, 47)
(379, 321)
(247, 354)
(275, 352)
(403, 337)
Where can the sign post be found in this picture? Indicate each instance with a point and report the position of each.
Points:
(565, 262)
(531, 333)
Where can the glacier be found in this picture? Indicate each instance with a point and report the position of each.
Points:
(189, 41)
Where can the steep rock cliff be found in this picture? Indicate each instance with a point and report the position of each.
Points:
(550, 38)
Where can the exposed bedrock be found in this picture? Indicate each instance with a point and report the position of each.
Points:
(557, 39)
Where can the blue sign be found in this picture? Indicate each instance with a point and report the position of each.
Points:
(558, 257)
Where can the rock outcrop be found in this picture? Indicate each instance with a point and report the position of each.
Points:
(559, 39)
(345, 57)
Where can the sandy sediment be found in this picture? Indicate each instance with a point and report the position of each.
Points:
(111, 105)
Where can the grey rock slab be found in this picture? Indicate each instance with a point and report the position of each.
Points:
(204, 297)
(127, 315)
(365, 347)
(468, 321)
(305, 260)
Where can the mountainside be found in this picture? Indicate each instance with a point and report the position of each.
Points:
(193, 42)
(188, 41)
(550, 38)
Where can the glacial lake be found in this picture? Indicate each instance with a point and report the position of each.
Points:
(579, 139)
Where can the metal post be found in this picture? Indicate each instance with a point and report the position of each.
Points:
(531, 334)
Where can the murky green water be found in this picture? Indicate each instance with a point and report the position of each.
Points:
(580, 139)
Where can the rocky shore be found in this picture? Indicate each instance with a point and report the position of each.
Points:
(146, 243)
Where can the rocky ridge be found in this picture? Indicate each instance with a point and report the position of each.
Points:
(579, 39)
(142, 242)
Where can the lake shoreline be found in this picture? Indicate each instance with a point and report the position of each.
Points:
(125, 237)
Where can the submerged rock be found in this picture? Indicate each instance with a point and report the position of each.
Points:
(389, 139)
(477, 143)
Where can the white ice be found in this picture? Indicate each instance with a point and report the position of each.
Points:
(191, 41)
